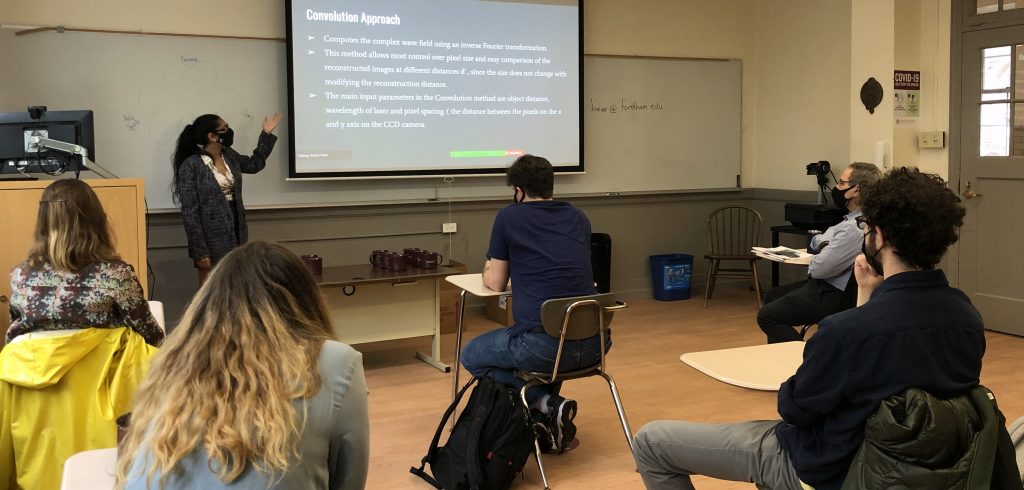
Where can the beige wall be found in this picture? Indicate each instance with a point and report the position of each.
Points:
(922, 43)
(871, 55)
(685, 29)
(260, 18)
(935, 96)
(907, 56)
(802, 63)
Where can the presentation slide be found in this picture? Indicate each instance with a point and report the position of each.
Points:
(445, 87)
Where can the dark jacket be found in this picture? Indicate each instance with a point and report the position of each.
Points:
(916, 440)
(915, 332)
(206, 214)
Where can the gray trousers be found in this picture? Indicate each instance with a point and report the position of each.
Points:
(669, 451)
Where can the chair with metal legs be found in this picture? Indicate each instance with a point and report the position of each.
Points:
(577, 318)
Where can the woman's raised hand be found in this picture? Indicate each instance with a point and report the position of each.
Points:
(270, 123)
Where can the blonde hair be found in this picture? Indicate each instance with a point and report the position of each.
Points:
(225, 379)
(71, 228)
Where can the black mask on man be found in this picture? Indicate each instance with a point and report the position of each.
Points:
(227, 137)
(839, 196)
(872, 257)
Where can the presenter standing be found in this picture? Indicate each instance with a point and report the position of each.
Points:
(208, 186)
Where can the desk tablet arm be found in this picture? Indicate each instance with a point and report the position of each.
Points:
(37, 142)
(619, 305)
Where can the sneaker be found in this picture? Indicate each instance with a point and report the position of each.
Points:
(545, 436)
(562, 412)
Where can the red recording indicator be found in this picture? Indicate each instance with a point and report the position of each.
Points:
(514, 153)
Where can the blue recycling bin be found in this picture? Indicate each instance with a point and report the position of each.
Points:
(670, 276)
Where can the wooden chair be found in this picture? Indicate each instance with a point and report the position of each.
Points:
(577, 318)
(732, 231)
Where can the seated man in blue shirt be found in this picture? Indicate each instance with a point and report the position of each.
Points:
(545, 246)
(820, 295)
(911, 329)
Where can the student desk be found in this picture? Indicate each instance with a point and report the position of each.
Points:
(776, 230)
(758, 367)
(472, 284)
(90, 470)
(369, 304)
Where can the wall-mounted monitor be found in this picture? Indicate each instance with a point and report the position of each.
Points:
(19, 154)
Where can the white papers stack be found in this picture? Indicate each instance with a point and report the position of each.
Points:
(782, 254)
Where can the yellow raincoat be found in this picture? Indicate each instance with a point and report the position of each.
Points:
(59, 395)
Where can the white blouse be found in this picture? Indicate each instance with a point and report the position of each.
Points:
(226, 180)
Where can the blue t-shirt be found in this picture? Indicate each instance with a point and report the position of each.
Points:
(547, 245)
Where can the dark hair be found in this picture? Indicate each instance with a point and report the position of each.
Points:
(190, 141)
(533, 174)
(917, 214)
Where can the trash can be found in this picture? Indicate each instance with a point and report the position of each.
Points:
(670, 276)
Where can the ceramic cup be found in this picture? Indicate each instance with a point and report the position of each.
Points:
(315, 263)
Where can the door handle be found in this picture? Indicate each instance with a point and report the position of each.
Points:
(969, 192)
(3, 299)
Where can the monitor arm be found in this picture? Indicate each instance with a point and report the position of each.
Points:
(40, 142)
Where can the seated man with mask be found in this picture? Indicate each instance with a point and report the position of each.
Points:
(544, 245)
(911, 330)
(820, 295)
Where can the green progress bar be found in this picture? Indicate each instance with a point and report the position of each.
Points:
(477, 153)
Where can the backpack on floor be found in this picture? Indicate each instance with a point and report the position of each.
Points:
(491, 441)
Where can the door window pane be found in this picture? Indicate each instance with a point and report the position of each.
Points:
(987, 6)
(995, 130)
(1017, 135)
(996, 69)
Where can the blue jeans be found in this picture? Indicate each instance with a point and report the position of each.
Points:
(498, 355)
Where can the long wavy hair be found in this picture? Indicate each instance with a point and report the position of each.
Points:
(225, 379)
(72, 230)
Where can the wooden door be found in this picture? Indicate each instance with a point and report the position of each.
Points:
(991, 267)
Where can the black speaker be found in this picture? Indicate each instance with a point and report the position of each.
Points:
(601, 261)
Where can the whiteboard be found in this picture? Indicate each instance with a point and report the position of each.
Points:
(144, 89)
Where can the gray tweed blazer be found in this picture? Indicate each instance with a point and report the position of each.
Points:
(205, 212)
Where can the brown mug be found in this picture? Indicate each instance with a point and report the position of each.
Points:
(377, 257)
(411, 255)
(431, 260)
(315, 263)
(396, 262)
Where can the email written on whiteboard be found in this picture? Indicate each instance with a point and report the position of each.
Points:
(625, 105)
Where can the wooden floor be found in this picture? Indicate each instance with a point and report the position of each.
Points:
(407, 397)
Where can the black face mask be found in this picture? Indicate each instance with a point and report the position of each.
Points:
(515, 195)
(872, 257)
(227, 137)
(839, 196)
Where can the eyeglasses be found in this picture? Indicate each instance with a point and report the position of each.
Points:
(862, 222)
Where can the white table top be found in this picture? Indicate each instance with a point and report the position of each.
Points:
(90, 470)
(758, 367)
(474, 284)
(794, 261)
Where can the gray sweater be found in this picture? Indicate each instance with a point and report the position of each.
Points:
(334, 447)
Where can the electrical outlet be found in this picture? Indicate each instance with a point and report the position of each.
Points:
(448, 228)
